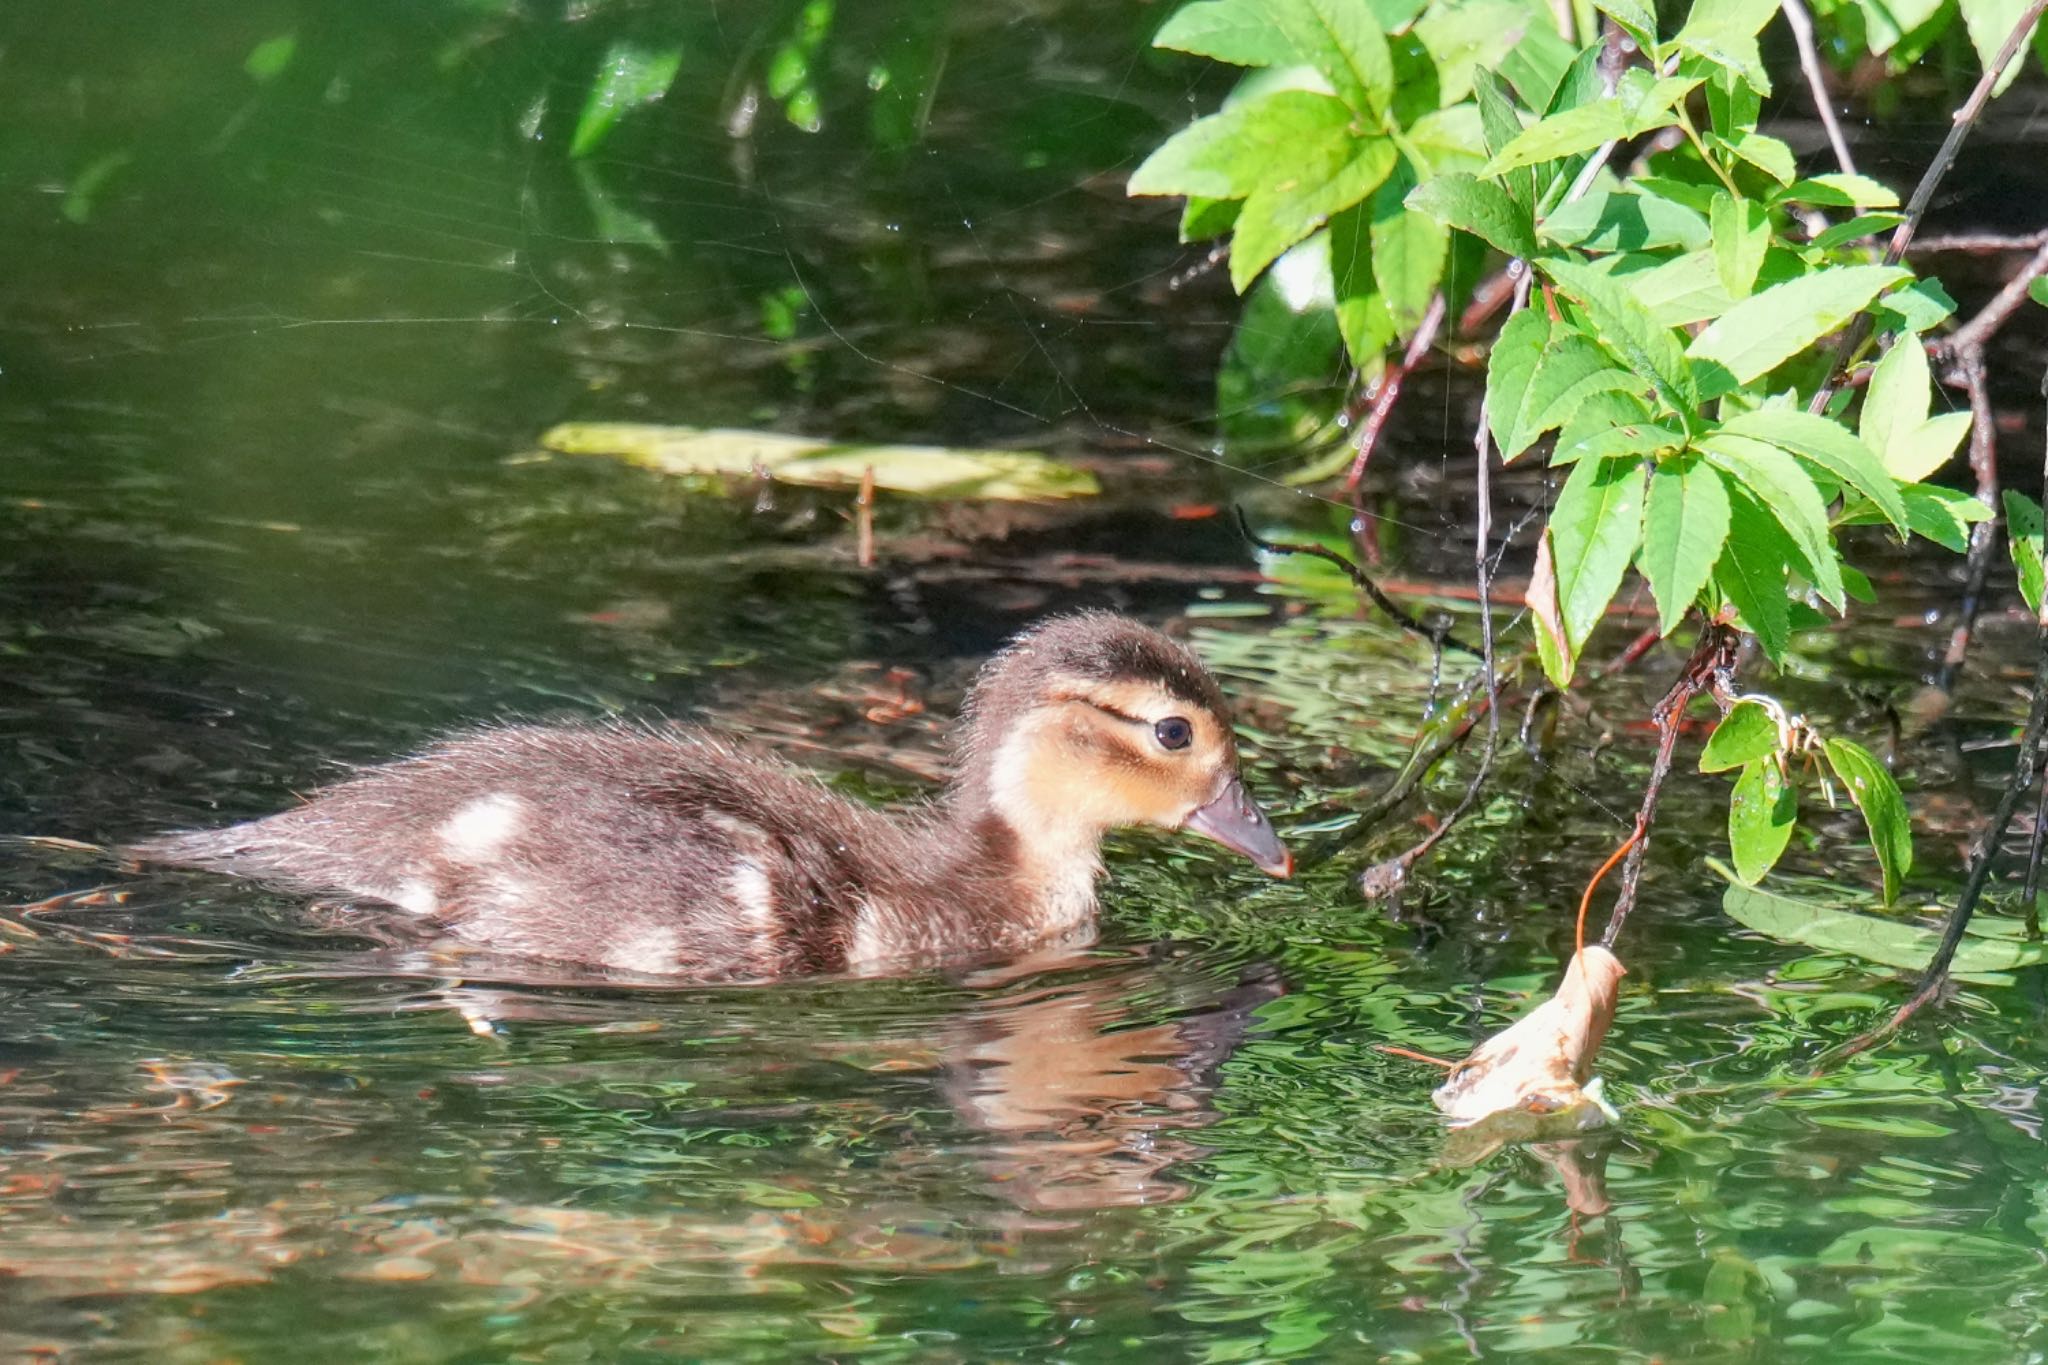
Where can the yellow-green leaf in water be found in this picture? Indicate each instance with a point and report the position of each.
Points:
(919, 471)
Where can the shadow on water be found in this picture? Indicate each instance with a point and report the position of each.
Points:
(270, 505)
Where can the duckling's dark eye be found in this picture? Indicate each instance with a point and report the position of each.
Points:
(1174, 732)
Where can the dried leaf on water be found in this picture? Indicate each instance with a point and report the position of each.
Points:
(918, 471)
(1533, 1080)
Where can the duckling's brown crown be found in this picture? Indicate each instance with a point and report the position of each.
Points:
(1104, 647)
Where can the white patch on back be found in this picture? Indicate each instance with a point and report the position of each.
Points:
(651, 949)
(475, 833)
(754, 894)
(869, 950)
(415, 896)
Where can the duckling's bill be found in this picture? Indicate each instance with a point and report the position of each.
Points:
(1235, 821)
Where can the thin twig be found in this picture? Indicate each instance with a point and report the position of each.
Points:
(1586, 901)
(1923, 193)
(1389, 390)
(1978, 243)
(1362, 579)
(1986, 847)
(1801, 24)
(1385, 876)
(1707, 669)
(864, 515)
(1973, 334)
(1984, 535)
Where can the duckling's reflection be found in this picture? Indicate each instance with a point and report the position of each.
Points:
(1090, 1106)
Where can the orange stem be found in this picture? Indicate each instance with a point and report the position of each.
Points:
(1586, 901)
(1414, 1056)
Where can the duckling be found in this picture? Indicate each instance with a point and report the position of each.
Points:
(668, 850)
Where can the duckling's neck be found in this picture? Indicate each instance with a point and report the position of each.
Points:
(1015, 814)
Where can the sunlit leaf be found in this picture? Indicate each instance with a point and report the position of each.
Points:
(1761, 813)
(1724, 31)
(1617, 221)
(1229, 154)
(1765, 330)
(631, 74)
(1510, 365)
(1747, 733)
(1895, 402)
(1991, 23)
(1942, 515)
(1838, 189)
(1917, 307)
(1638, 106)
(1465, 37)
(1241, 32)
(1787, 494)
(1627, 329)
(1742, 234)
(1408, 253)
(1871, 787)
(1595, 529)
(1472, 205)
(924, 471)
(2024, 535)
(1324, 177)
(1827, 444)
(1637, 19)
(1768, 154)
(1685, 523)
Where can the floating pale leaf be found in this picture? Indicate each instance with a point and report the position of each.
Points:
(921, 471)
(1982, 958)
(1542, 1064)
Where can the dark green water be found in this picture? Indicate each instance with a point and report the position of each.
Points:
(269, 387)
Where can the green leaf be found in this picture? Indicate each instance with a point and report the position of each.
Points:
(1761, 813)
(1685, 524)
(1641, 103)
(1408, 252)
(1611, 220)
(1886, 941)
(1766, 153)
(1342, 40)
(1930, 447)
(1990, 23)
(1920, 306)
(1840, 190)
(1637, 19)
(268, 59)
(1829, 445)
(1595, 528)
(1229, 155)
(1605, 439)
(1241, 32)
(1857, 228)
(1871, 787)
(1787, 494)
(1765, 330)
(1742, 235)
(923, 471)
(1747, 733)
(1895, 403)
(1724, 31)
(2024, 535)
(1467, 37)
(1322, 178)
(1472, 205)
(632, 74)
(1501, 125)
(1751, 573)
(1202, 218)
(2037, 290)
(1510, 366)
(1559, 380)
(1445, 141)
(1627, 329)
(1943, 515)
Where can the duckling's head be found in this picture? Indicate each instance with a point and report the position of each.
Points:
(1088, 722)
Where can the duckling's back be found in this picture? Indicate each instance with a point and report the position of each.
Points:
(657, 850)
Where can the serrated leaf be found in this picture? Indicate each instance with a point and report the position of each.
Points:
(1761, 150)
(1611, 220)
(1230, 154)
(1446, 141)
(1742, 235)
(1685, 523)
(1786, 493)
(1871, 787)
(1895, 402)
(1606, 440)
(1918, 307)
(1747, 733)
(1241, 32)
(1857, 228)
(1408, 253)
(1827, 444)
(1638, 106)
(1888, 942)
(1500, 124)
(1322, 179)
(1510, 365)
(1636, 18)
(631, 74)
(1837, 189)
(1767, 329)
(1473, 205)
(1626, 328)
(1761, 813)
(1943, 515)
(1467, 37)
(1751, 573)
(1595, 529)
(2024, 535)
(1724, 31)
(1567, 360)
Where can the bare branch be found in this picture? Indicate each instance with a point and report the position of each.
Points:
(1972, 335)
(1801, 24)
(1923, 193)
(1969, 372)
(1439, 635)
(1389, 390)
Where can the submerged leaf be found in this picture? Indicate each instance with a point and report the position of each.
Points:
(922, 471)
(1889, 942)
(631, 74)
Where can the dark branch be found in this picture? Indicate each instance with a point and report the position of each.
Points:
(1439, 635)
